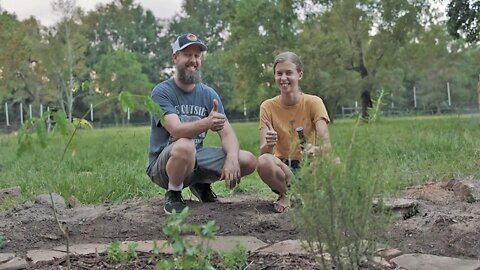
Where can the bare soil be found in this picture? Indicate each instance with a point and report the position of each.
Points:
(447, 224)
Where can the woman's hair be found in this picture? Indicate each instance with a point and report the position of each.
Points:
(288, 56)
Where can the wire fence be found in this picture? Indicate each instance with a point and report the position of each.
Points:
(12, 116)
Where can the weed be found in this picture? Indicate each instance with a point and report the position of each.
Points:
(235, 259)
(117, 255)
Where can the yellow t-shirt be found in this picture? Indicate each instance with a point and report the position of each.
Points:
(285, 120)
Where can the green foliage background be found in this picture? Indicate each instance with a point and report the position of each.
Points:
(348, 47)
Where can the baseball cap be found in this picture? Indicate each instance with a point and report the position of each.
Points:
(186, 40)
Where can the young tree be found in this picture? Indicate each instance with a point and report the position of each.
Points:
(68, 58)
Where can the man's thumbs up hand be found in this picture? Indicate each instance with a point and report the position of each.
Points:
(216, 120)
(215, 106)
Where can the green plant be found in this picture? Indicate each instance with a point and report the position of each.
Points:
(64, 126)
(3, 241)
(333, 210)
(117, 255)
(235, 259)
(187, 254)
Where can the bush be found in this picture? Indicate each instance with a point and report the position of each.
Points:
(333, 210)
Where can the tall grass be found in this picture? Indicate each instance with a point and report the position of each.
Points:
(109, 164)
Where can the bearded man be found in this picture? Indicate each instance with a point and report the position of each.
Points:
(177, 158)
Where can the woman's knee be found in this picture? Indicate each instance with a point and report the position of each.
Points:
(248, 162)
(265, 163)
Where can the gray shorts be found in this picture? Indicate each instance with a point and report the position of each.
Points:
(208, 166)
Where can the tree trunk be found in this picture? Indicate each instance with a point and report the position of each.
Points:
(366, 103)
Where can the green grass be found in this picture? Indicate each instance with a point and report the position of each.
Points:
(109, 164)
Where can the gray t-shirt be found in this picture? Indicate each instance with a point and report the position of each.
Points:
(189, 107)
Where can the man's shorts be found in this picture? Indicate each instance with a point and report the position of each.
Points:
(208, 166)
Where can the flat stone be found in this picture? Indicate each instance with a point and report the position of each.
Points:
(433, 262)
(402, 208)
(4, 257)
(14, 264)
(146, 246)
(42, 255)
(10, 192)
(83, 249)
(381, 262)
(58, 200)
(398, 203)
(228, 243)
(285, 248)
(390, 253)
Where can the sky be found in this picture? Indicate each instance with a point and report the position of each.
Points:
(42, 9)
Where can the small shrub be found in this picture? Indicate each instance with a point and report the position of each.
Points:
(333, 209)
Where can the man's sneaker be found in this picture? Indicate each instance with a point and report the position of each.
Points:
(173, 201)
(203, 192)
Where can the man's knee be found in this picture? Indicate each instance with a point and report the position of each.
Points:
(184, 150)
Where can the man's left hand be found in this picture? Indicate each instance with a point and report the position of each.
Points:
(231, 172)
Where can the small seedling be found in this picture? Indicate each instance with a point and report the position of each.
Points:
(187, 255)
(117, 255)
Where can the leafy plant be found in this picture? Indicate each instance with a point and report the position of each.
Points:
(187, 254)
(117, 255)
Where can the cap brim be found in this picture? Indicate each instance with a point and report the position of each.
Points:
(201, 45)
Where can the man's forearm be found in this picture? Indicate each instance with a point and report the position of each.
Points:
(229, 141)
(189, 129)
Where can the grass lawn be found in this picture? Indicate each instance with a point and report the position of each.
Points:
(109, 164)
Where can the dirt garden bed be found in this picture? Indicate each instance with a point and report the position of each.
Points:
(447, 224)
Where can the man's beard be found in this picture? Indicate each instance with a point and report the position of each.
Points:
(187, 77)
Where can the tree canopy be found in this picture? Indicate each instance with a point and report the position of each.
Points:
(351, 50)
